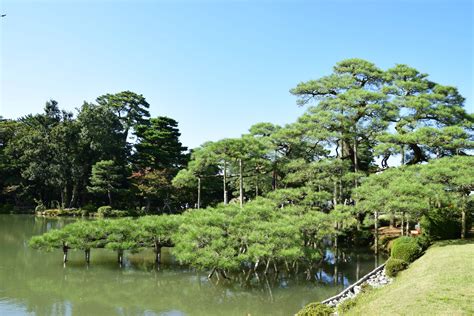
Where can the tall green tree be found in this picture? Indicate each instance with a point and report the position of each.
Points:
(107, 178)
(131, 109)
(431, 119)
(351, 108)
(159, 146)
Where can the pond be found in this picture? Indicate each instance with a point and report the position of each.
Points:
(37, 283)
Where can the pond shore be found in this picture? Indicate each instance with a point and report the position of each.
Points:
(438, 283)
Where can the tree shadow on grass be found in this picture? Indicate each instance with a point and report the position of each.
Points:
(453, 242)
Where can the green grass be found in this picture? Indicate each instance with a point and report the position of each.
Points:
(441, 282)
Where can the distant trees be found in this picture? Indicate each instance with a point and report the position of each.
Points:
(106, 178)
(62, 161)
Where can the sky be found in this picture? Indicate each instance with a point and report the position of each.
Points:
(218, 67)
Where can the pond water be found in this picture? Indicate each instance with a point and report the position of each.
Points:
(37, 283)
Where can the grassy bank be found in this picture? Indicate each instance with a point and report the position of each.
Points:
(438, 283)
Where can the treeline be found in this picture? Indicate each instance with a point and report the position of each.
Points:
(359, 119)
(110, 153)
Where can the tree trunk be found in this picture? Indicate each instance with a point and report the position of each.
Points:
(357, 268)
(402, 225)
(63, 200)
(65, 252)
(148, 203)
(72, 203)
(199, 193)
(418, 155)
(109, 194)
(157, 253)
(274, 174)
(120, 256)
(225, 182)
(402, 152)
(463, 219)
(87, 254)
(376, 232)
(241, 184)
(267, 266)
(211, 273)
(356, 161)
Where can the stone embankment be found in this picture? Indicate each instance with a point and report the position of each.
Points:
(375, 278)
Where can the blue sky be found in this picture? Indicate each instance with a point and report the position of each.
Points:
(218, 67)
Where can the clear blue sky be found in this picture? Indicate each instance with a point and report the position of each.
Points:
(218, 66)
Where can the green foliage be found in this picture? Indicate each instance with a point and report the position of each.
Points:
(106, 177)
(346, 305)
(316, 309)
(441, 223)
(406, 249)
(104, 211)
(393, 266)
(424, 242)
(159, 146)
(54, 239)
(226, 238)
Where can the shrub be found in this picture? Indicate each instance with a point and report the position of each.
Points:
(118, 213)
(393, 266)
(423, 241)
(406, 249)
(316, 309)
(88, 208)
(104, 211)
(346, 305)
(440, 224)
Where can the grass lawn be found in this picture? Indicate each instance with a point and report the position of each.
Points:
(441, 282)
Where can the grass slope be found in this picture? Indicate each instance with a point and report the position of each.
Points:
(441, 282)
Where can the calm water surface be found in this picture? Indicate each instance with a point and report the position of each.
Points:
(36, 283)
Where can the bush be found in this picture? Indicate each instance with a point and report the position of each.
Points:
(316, 309)
(406, 249)
(88, 208)
(423, 241)
(104, 211)
(346, 305)
(393, 266)
(118, 213)
(439, 224)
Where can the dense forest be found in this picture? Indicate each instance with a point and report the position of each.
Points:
(327, 174)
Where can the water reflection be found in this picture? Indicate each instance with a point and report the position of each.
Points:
(36, 282)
